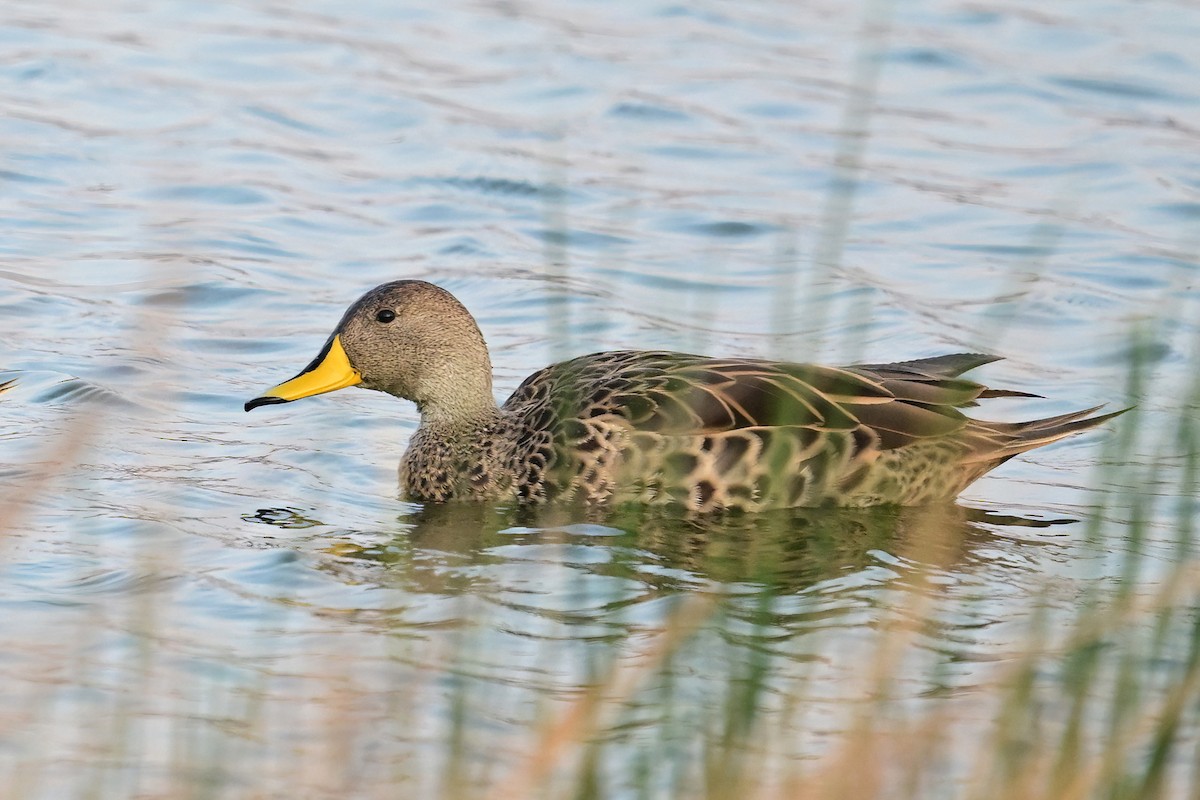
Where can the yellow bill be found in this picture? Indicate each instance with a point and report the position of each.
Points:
(328, 372)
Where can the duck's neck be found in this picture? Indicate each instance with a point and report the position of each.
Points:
(454, 449)
(458, 410)
(459, 420)
(458, 401)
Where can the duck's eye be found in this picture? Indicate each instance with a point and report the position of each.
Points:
(385, 316)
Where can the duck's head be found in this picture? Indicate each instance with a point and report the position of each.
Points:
(410, 339)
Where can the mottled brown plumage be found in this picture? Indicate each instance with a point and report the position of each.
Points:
(660, 427)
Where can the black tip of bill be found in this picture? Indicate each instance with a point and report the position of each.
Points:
(263, 401)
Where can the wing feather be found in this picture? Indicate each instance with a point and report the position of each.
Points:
(679, 394)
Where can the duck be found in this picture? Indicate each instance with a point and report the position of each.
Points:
(707, 434)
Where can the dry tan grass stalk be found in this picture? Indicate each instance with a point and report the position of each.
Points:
(63, 454)
(856, 767)
(870, 757)
(583, 717)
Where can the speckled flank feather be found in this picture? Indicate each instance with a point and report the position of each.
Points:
(703, 433)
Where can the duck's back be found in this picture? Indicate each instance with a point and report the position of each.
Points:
(741, 433)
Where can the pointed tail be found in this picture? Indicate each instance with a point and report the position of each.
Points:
(1007, 439)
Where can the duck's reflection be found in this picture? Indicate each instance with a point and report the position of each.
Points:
(460, 547)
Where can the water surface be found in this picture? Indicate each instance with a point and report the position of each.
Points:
(193, 192)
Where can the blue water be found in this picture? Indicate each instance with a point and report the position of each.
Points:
(191, 193)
